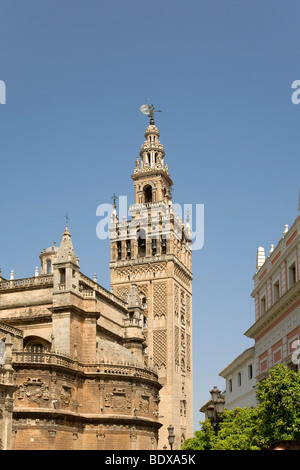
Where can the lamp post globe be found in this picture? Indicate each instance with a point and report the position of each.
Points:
(171, 436)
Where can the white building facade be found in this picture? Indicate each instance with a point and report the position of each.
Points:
(240, 381)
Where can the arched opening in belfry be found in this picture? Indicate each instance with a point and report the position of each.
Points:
(147, 194)
(141, 238)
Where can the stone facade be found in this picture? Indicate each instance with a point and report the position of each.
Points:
(77, 362)
(153, 249)
(9, 337)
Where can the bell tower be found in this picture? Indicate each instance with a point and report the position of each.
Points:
(152, 250)
(151, 177)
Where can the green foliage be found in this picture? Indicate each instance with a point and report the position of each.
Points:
(277, 417)
(238, 430)
(202, 439)
(279, 397)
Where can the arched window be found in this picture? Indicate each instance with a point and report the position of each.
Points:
(144, 303)
(119, 247)
(49, 266)
(62, 275)
(36, 347)
(147, 194)
(141, 237)
(146, 159)
(2, 352)
(128, 249)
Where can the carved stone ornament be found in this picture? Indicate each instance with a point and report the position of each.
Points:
(144, 404)
(65, 394)
(34, 390)
(117, 400)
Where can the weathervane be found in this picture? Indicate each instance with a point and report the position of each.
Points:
(67, 219)
(149, 110)
(114, 198)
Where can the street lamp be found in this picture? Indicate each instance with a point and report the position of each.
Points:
(216, 408)
(171, 436)
(215, 393)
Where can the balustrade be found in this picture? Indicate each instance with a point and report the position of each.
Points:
(27, 282)
(55, 358)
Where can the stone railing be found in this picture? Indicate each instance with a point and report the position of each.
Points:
(89, 294)
(132, 322)
(27, 282)
(63, 360)
(42, 357)
(121, 370)
(95, 287)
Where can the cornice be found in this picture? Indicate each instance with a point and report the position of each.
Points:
(275, 312)
(28, 318)
(11, 329)
(84, 418)
(145, 173)
(70, 308)
(241, 360)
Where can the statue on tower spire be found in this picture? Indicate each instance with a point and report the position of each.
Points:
(149, 110)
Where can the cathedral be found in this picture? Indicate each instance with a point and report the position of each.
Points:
(84, 368)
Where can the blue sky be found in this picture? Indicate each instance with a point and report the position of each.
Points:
(76, 73)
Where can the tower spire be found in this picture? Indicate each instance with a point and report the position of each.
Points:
(66, 251)
(151, 173)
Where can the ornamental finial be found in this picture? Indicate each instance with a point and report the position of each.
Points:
(114, 198)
